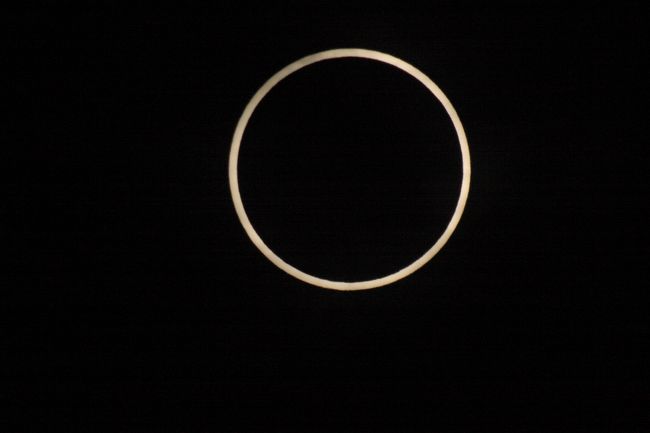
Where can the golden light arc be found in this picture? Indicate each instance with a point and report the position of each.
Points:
(239, 133)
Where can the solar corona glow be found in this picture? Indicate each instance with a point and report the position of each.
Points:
(239, 133)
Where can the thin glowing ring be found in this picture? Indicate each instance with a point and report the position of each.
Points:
(236, 144)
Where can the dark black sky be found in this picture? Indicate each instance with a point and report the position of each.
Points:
(137, 303)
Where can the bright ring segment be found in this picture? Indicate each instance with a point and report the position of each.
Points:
(236, 144)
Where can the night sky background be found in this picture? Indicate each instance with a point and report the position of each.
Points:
(133, 301)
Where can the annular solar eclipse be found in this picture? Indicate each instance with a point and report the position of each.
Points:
(237, 142)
